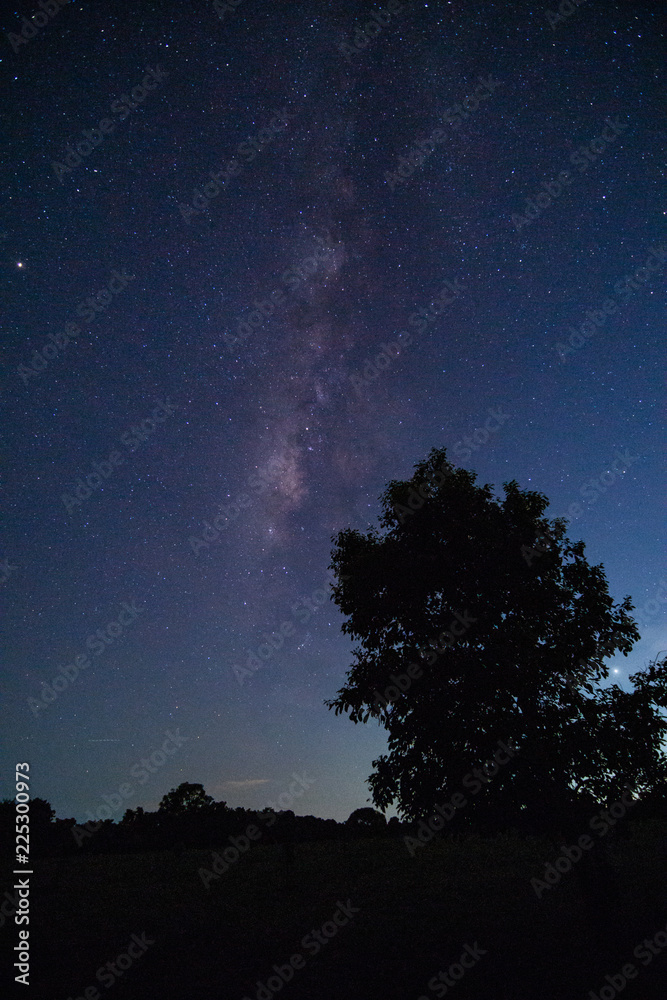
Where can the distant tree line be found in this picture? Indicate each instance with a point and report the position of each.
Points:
(187, 818)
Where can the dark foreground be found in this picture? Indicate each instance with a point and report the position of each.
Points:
(403, 919)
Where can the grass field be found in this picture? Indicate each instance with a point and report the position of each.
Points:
(415, 915)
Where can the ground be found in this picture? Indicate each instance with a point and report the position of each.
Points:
(415, 917)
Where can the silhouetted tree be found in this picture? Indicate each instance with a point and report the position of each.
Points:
(186, 816)
(367, 821)
(479, 621)
(187, 798)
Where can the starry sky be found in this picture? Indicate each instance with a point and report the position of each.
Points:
(257, 259)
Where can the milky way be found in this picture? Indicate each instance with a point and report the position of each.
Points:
(339, 251)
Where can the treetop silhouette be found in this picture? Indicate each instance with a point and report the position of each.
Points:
(479, 620)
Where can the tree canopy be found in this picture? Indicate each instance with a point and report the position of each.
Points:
(367, 821)
(478, 620)
(186, 798)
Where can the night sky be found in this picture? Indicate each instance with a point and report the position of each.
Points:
(220, 345)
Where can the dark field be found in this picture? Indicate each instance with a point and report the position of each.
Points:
(415, 915)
